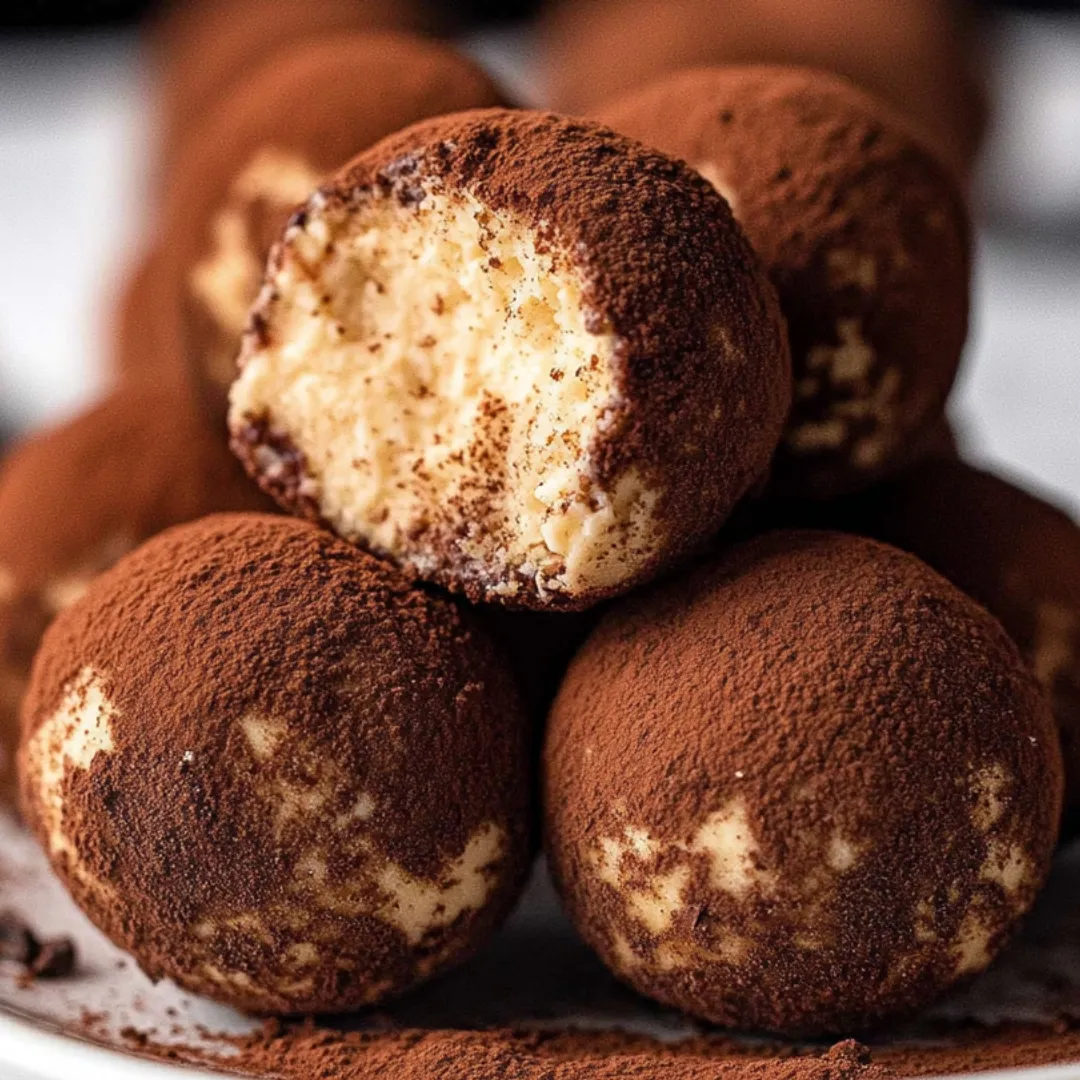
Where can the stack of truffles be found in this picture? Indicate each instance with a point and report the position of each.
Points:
(519, 379)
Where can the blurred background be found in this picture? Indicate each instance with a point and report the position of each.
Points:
(78, 115)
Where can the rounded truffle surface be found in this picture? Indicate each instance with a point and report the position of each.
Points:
(1016, 554)
(76, 497)
(918, 55)
(802, 789)
(265, 148)
(276, 772)
(202, 49)
(144, 338)
(865, 237)
(522, 356)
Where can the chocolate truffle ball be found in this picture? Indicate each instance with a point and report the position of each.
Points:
(201, 49)
(274, 771)
(522, 356)
(865, 237)
(266, 148)
(803, 789)
(916, 54)
(1013, 552)
(74, 498)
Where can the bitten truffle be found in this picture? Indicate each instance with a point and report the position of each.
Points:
(1014, 553)
(274, 771)
(522, 356)
(266, 148)
(804, 789)
(863, 233)
(201, 49)
(75, 498)
(918, 55)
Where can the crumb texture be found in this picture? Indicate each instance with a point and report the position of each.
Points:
(266, 146)
(438, 370)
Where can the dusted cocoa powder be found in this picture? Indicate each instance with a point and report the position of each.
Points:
(74, 498)
(310, 1053)
(143, 337)
(1016, 554)
(865, 236)
(804, 788)
(274, 771)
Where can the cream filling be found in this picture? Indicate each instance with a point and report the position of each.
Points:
(68, 741)
(434, 367)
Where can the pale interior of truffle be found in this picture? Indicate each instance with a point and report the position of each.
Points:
(434, 366)
(66, 742)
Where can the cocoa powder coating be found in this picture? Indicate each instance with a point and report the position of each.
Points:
(143, 337)
(804, 789)
(865, 236)
(310, 1054)
(76, 497)
(701, 366)
(310, 787)
(265, 147)
(1016, 554)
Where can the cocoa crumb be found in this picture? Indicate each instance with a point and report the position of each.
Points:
(40, 958)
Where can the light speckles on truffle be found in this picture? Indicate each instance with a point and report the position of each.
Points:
(232, 734)
(863, 233)
(1014, 553)
(76, 497)
(804, 788)
(80, 728)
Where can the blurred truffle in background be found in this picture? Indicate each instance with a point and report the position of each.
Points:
(200, 49)
(140, 341)
(76, 497)
(919, 55)
(264, 150)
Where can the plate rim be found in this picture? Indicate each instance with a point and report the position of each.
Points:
(48, 1054)
(44, 1053)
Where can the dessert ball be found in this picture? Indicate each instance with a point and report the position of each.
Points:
(75, 498)
(276, 772)
(201, 49)
(1014, 553)
(916, 54)
(865, 237)
(805, 788)
(266, 148)
(520, 355)
(144, 338)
